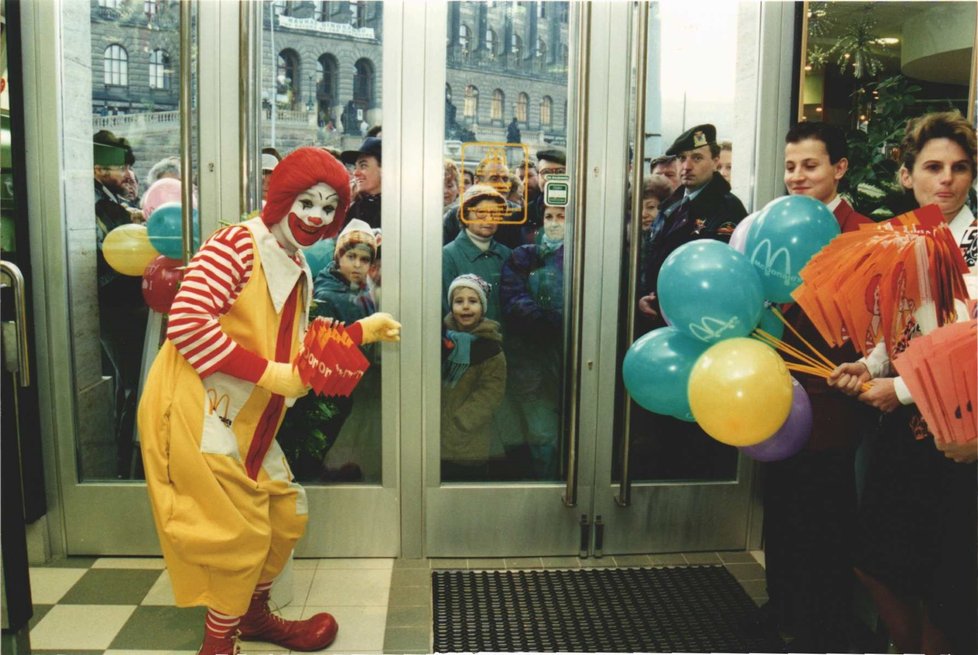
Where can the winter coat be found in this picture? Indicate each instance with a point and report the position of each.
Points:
(531, 290)
(335, 298)
(712, 214)
(468, 407)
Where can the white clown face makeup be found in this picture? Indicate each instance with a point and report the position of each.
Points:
(311, 214)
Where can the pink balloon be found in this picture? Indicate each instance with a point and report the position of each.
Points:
(160, 192)
(739, 237)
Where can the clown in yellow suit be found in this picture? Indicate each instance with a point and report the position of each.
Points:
(227, 510)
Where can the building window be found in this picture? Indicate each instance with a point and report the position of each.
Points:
(151, 8)
(280, 7)
(286, 78)
(491, 41)
(541, 9)
(516, 47)
(463, 38)
(109, 4)
(363, 84)
(522, 105)
(320, 10)
(498, 102)
(541, 49)
(159, 70)
(116, 66)
(358, 13)
(327, 75)
(471, 108)
(546, 111)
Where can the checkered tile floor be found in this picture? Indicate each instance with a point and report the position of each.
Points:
(125, 605)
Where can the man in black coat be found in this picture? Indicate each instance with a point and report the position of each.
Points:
(701, 208)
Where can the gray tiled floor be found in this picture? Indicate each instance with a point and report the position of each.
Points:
(125, 605)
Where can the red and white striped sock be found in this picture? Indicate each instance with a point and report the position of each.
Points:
(262, 590)
(220, 625)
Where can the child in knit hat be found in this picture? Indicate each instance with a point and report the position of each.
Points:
(474, 380)
(352, 432)
(341, 289)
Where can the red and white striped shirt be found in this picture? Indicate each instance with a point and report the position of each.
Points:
(213, 280)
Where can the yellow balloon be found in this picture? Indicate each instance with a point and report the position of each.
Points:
(740, 391)
(127, 249)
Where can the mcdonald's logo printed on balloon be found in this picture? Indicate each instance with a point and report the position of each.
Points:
(767, 264)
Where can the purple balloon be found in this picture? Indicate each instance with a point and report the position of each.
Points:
(790, 437)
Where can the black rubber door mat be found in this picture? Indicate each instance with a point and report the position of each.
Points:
(649, 610)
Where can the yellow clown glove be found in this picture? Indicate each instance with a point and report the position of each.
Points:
(280, 378)
(380, 327)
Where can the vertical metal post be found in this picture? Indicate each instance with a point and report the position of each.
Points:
(572, 358)
(186, 129)
(635, 236)
(249, 101)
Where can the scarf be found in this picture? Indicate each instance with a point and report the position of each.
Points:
(459, 356)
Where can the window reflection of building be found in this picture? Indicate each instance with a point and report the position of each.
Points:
(116, 66)
(517, 49)
(546, 106)
(286, 76)
(522, 103)
(159, 70)
(471, 107)
(498, 102)
(363, 84)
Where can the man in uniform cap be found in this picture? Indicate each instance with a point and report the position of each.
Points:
(701, 208)
(366, 173)
(122, 311)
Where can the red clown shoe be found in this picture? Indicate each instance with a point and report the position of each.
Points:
(314, 633)
(226, 645)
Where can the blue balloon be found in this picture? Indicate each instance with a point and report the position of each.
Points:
(710, 291)
(165, 229)
(656, 371)
(319, 255)
(783, 238)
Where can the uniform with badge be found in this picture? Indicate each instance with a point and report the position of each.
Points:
(709, 212)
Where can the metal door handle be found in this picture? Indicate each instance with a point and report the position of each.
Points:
(639, 53)
(10, 276)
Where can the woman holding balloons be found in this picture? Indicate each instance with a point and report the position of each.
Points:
(916, 541)
(226, 508)
(809, 487)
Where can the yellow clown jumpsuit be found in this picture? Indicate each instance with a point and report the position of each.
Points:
(221, 529)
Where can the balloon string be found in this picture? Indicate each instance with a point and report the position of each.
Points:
(807, 364)
(774, 342)
(826, 360)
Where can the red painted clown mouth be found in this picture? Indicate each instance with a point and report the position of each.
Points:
(305, 234)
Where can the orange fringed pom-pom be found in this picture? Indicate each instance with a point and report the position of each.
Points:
(329, 361)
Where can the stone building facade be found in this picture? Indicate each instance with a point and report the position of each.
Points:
(322, 69)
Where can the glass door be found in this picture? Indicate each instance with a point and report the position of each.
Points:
(119, 67)
(321, 76)
(549, 457)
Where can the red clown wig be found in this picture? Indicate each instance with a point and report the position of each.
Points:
(300, 170)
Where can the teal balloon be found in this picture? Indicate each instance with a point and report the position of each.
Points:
(319, 255)
(165, 229)
(656, 371)
(771, 323)
(710, 291)
(783, 238)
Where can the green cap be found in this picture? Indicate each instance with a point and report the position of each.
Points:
(694, 137)
(111, 150)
